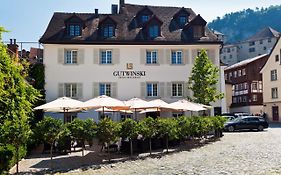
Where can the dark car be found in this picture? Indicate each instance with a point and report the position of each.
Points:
(246, 122)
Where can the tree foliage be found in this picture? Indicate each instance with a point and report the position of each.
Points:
(148, 128)
(238, 26)
(16, 101)
(203, 80)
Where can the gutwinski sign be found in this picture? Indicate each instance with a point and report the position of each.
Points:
(129, 74)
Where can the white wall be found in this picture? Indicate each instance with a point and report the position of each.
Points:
(87, 72)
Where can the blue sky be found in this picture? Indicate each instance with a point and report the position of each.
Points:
(27, 19)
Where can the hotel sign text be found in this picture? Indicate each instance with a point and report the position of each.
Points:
(129, 74)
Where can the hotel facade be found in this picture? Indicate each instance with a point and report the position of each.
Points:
(136, 51)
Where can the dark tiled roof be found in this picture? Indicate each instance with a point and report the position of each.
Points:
(267, 32)
(127, 30)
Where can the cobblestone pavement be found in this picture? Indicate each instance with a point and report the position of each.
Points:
(236, 153)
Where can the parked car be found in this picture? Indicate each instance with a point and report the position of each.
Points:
(246, 122)
(228, 117)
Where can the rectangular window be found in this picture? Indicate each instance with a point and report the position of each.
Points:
(235, 74)
(182, 20)
(239, 73)
(152, 89)
(70, 56)
(261, 42)
(274, 93)
(225, 76)
(228, 50)
(197, 31)
(108, 31)
(176, 57)
(245, 85)
(74, 30)
(252, 43)
(254, 87)
(244, 71)
(153, 31)
(144, 18)
(151, 57)
(230, 75)
(255, 97)
(269, 40)
(105, 89)
(276, 58)
(106, 57)
(273, 74)
(70, 90)
(234, 100)
(252, 49)
(177, 89)
(244, 99)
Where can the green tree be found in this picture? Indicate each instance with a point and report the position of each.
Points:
(82, 130)
(203, 80)
(168, 129)
(129, 129)
(148, 129)
(16, 101)
(184, 127)
(49, 129)
(107, 132)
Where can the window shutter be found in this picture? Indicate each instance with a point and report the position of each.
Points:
(211, 55)
(160, 56)
(60, 56)
(194, 55)
(99, 60)
(142, 56)
(169, 89)
(185, 57)
(168, 56)
(61, 90)
(185, 90)
(79, 90)
(161, 89)
(80, 56)
(96, 56)
(116, 56)
(96, 89)
(114, 90)
(143, 89)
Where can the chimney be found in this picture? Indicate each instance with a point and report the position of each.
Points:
(114, 8)
(96, 11)
(13, 48)
(122, 3)
(15, 41)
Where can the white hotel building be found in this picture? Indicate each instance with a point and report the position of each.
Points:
(136, 51)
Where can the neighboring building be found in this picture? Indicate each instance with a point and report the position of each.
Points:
(13, 48)
(35, 55)
(258, 44)
(228, 96)
(246, 83)
(271, 74)
(140, 51)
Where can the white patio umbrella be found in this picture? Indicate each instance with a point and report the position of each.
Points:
(63, 104)
(185, 105)
(104, 102)
(132, 103)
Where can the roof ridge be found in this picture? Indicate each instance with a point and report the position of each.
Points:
(157, 6)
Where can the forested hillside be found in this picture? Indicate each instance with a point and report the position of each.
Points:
(240, 25)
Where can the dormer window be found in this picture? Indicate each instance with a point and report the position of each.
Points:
(198, 31)
(154, 31)
(144, 18)
(108, 31)
(182, 20)
(74, 30)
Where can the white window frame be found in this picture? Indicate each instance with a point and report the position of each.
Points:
(107, 89)
(108, 57)
(178, 56)
(73, 90)
(151, 57)
(255, 97)
(243, 71)
(274, 93)
(153, 93)
(71, 56)
(239, 73)
(235, 74)
(177, 89)
(273, 75)
(253, 85)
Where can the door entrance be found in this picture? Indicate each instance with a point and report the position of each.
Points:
(275, 113)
